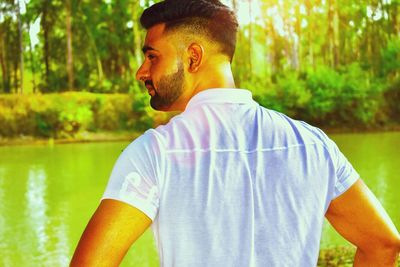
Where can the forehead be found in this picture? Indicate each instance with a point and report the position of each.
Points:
(155, 36)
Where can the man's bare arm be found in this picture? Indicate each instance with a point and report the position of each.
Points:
(110, 232)
(359, 217)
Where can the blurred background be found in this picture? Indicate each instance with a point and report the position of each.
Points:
(68, 76)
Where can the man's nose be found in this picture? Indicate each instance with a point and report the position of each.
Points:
(142, 73)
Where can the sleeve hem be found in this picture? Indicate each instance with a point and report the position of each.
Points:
(345, 185)
(143, 207)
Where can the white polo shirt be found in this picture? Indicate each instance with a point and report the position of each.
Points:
(230, 183)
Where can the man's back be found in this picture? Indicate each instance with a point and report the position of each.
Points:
(227, 182)
(230, 183)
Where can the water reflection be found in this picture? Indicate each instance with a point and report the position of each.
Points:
(43, 210)
(62, 243)
(36, 208)
(46, 221)
(3, 223)
(2, 211)
(375, 157)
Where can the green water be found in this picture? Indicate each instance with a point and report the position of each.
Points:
(48, 193)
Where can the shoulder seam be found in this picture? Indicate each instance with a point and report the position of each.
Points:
(169, 151)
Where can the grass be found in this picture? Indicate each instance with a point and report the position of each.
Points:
(339, 256)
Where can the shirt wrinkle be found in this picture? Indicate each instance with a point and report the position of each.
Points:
(237, 150)
(231, 183)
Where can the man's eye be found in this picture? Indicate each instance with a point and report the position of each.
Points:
(151, 57)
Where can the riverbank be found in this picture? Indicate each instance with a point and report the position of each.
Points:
(86, 137)
(393, 127)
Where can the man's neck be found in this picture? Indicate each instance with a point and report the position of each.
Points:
(213, 78)
(220, 77)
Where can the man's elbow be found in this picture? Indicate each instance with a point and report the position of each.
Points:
(392, 245)
(396, 245)
(385, 248)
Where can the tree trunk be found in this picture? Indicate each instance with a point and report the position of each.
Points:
(136, 33)
(333, 35)
(275, 53)
(92, 42)
(238, 60)
(297, 47)
(21, 50)
(250, 72)
(70, 59)
(4, 72)
(396, 19)
(46, 47)
(310, 34)
(33, 65)
(235, 5)
(16, 84)
(336, 35)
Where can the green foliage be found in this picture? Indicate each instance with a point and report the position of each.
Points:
(74, 117)
(358, 99)
(343, 69)
(292, 93)
(391, 57)
(141, 107)
(65, 115)
(392, 98)
(342, 97)
(325, 85)
(328, 97)
(288, 95)
(339, 256)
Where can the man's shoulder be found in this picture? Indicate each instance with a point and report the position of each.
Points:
(293, 129)
(278, 125)
(165, 135)
(150, 141)
(179, 126)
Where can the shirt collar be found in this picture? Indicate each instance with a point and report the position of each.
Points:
(221, 95)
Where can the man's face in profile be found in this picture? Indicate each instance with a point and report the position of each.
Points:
(162, 70)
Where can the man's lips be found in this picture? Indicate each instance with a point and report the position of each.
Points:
(150, 88)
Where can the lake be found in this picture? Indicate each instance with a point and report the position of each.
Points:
(48, 193)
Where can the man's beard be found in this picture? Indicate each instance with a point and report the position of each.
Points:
(170, 88)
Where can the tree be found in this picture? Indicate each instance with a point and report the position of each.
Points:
(70, 58)
(21, 47)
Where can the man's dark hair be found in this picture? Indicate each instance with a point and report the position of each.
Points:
(209, 18)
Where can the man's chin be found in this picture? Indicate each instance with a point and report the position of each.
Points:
(157, 105)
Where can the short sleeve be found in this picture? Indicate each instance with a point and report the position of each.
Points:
(346, 175)
(134, 178)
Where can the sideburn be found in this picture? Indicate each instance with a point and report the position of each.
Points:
(170, 88)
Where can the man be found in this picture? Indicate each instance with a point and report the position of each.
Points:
(227, 182)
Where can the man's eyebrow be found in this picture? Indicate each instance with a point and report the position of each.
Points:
(147, 48)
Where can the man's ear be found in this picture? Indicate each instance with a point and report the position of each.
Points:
(195, 53)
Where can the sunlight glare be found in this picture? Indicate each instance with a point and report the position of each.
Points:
(243, 11)
(34, 31)
(273, 12)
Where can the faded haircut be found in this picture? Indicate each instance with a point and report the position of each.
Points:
(205, 18)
